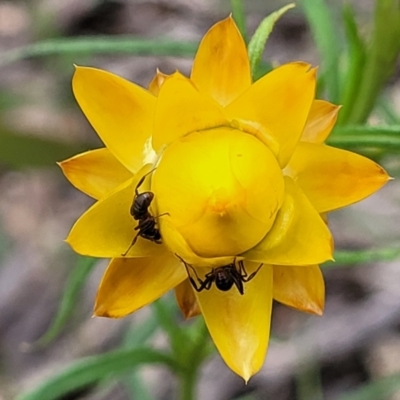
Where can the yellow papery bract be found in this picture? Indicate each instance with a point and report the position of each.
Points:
(279, 103)
(302, 288)
(187, 300)
(157, 82)
(221, 67)
(209, 184)
(95, 172)
(333, 178)
(299, 235)
(320, 121)
(107, 228)
(182, 109)
(119, 111)
(131, 283)
(239, 324)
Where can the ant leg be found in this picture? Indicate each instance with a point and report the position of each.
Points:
(192, 281)
(140, 183)
(204, 284)
(131, 245)
(246, 279)
(160, 215)
(242, 269)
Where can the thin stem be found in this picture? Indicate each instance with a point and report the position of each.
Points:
(192, 363)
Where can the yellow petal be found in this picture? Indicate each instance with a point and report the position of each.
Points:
(320, 121)
(239, 324)
(181, 109)
(119, 111)
(157, 82)
(221, 188)
(178, 245)
(300, 287)
(221, 67)
(95, 172)
(131, 283)
(333, 178)
(187, 300)
(107, 228)
(277, 106)
(299, 235)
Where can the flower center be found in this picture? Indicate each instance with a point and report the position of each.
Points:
(221, 189)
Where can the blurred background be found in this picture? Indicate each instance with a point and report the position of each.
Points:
(356, 342)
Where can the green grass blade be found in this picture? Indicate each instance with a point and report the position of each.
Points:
(354, 257)
(94, 369)
(20, 151)
(73, 287)
(101, 45)
(381, 58)
(356, 60)
(259, 39)
(325, 33)
(361, 138)
(377, 390)
(239, 16)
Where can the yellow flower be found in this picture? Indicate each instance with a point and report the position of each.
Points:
(239, 176)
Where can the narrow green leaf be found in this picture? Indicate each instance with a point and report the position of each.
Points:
(259, 39)
(136, 386)
(346, 258)
(356, 60)
(365, 130)
(138, 335)
(73, 287)
(381, 58)
(378, 390)
(239, 16)
(92, 370)
(361, 138)
(20, 151)
(101, 45)
(324, 28)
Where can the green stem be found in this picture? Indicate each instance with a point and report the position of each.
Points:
(188, 385)
(192, 363)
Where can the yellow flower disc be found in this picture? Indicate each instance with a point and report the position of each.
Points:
(221, 189)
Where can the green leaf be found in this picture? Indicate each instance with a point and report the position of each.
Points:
(366, 130)
(94, 369)
(378, 390)
(101, 45)
(362, 137)
(19, 151)
(239, 16)
(73, 287)
(137, 335)
(259, 39)
(354, 257)
(356, 60)
(325, 32)
(381, 58)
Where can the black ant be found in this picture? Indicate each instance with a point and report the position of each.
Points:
(140, 212)
(224, 277)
